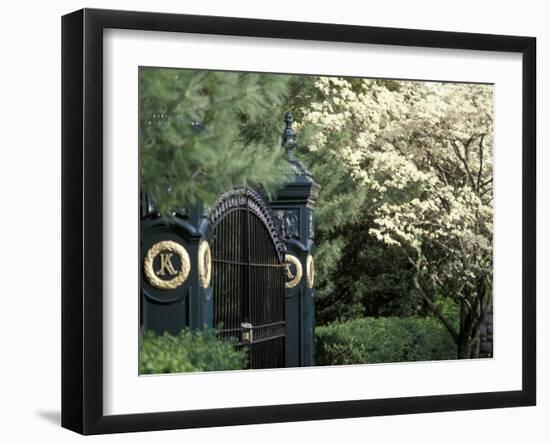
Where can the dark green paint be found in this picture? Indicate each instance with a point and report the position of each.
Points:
(192, 306)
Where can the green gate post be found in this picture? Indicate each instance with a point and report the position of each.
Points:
(186, 304)
(293, 211)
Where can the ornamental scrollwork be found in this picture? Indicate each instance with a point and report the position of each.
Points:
(310, 271)
(169, 256)
(205, 264)
(293, 271)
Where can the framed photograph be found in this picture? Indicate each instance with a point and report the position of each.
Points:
(269, 221)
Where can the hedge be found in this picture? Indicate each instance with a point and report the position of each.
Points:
(383, 340)
(187, 352)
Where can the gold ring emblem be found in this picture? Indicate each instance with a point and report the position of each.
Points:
(310, 270)
(205, 264)
(165, 251)
(293, 270)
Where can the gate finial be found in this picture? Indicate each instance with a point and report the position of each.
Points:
(293, 166)
(289, 135)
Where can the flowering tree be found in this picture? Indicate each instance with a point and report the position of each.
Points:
(419, 155)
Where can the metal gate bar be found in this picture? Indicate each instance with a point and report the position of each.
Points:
(248, 281)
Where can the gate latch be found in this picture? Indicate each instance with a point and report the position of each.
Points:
(247, 335)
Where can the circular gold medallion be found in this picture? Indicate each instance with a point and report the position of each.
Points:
(205, 264)
(293, 270)
(310, 270)
(166, 265)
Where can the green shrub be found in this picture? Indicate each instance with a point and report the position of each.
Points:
(383, 340)
(187, 352)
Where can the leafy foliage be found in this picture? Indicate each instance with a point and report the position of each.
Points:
(193, 143)
(187, 352)
(383, 340)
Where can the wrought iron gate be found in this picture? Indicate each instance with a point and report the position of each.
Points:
(248, 277)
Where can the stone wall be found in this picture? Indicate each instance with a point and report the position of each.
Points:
(486, 335)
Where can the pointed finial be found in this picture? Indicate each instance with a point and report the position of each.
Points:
(289, 135)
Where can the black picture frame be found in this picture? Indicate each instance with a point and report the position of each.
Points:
(82, 219)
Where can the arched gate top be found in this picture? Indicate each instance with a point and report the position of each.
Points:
(245, 198)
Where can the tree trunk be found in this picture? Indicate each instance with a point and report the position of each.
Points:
(477, 343)
(464, 348)
(436, 310)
